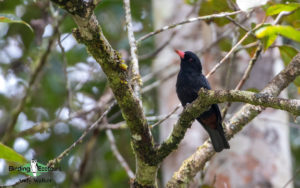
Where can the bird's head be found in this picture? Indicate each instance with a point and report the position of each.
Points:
(189, 61)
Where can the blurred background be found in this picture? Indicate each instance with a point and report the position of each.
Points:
(67, 93)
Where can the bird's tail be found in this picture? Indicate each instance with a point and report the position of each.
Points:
(217, 137)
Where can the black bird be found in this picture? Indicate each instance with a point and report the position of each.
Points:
(189, 81)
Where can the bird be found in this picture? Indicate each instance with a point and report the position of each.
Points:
(189, 81)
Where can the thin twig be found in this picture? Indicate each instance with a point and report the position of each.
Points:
(15, 114)
(245, 75)
(158, 82)
(117, 154)
(237, 24)
(280, 15)
(220, 15)
(79, 140)
(65, 65)
(249, 68)
(250, 45)
(213, 70)
(159, 49)
(221, 36)
(166, 117)
(79, 174)
(151, 75)
(133, 50)
(174, 33)
(42, 126)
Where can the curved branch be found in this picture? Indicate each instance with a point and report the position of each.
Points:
(191, 166)
(209, 97)
(259, 99)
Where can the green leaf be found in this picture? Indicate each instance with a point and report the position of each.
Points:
(248, 40)
(10, 155)
(10, 18)
(225, 44)
(286, 31)
(214, 6)
(287, 53)
(9, 6)
(268, 41)
(276, 9)
(293, 19)
(297, 81)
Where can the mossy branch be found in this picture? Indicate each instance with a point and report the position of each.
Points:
(209, 97)
(259, 99)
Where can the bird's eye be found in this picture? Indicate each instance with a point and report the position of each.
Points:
(190, 60)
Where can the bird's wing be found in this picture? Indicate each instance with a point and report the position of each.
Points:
(205, 82)
(216, 109)
(201, 82)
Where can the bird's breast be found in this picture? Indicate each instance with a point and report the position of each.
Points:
(185, 92)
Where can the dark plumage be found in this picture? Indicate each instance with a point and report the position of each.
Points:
(189, 81)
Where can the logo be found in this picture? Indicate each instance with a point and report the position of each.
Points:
(33, 168)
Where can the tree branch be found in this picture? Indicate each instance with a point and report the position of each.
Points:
(166, 117)
(196, 162)
(259, 99)
(135, 77)
(117, 154)
(208, 17)
(52, 163)
(213, 70)
(246, 74)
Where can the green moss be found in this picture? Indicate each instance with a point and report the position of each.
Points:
(146, 175)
